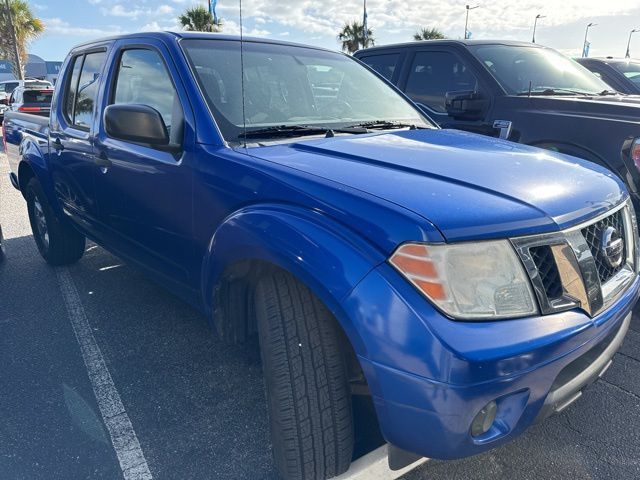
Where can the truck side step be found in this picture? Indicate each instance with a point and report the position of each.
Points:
(375, 465)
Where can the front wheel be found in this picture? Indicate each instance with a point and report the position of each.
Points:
(58, 243)
(308, 395)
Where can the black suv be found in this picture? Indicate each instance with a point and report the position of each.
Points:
(518, 91)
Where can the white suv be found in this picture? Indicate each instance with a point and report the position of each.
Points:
(8, 86)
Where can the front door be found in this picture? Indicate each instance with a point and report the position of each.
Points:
(145, 193)
(433, 73)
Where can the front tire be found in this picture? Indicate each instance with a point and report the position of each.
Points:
(58, 243)
(308, 394)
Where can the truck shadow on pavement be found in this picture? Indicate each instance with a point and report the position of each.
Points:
(198, 406)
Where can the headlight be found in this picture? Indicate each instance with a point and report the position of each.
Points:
(469, 281)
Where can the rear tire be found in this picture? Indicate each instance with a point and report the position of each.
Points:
(57, 242)
(308, 395)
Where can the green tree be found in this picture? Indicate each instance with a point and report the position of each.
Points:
(27, 28)
(428, 34)
(352, 37)
(199, 19)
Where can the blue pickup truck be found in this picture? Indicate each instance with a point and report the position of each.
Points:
(469, 285)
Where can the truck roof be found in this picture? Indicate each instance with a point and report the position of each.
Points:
(173, 35)
(465, 43)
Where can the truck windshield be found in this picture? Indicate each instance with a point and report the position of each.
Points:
(541, 71)
(288, 86)
(629, 69)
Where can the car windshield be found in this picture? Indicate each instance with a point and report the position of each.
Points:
(541, 71)
(629, 69)
(292, 89)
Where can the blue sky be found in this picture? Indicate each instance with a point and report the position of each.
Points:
(317, 22)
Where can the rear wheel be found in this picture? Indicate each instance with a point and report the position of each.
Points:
(308, 395)
(58, 243)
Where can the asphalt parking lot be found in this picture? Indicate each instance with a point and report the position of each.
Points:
(195, 405)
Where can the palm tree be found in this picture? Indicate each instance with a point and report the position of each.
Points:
(428, 34)
(199, 19)
(27, 28)
(352, 37)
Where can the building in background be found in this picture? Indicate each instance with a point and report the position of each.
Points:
(36, 67)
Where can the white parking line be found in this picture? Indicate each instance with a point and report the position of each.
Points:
(123, 437)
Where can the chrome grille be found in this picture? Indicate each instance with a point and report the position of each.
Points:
(593, 233)
(568, 269)
(543, 258)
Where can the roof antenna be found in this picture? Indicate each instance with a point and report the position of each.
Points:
(244, 118)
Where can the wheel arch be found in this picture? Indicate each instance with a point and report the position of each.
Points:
(327, 257)
(571, 149)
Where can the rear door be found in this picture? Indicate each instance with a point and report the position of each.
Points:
(387, 63)
(145, 193)
(71, 149)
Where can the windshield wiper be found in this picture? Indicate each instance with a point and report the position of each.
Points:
(604, 93)
(384, 124)
(555, 91)
(287, 131)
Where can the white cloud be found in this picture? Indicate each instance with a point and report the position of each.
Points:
(496, 18)
(57, 26)
(118, 10)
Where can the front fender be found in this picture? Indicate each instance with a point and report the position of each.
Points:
(327, 257)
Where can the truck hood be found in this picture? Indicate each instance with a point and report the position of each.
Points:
(618, 107)
(469, 186)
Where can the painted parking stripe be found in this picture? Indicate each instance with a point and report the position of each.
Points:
(123, 437)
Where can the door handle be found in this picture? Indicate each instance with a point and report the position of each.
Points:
(103, 162)
(57, 145)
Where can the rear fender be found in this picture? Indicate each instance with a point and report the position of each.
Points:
(326, 256)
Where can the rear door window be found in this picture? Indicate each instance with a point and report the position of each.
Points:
(11, 86)
(433, 74)
(81, 92)
(87, 89)
(385, 64)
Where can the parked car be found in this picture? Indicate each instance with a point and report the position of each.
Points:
(623, 74)
(471, 286)
(31, 100)
(8, 86)
(519, 91)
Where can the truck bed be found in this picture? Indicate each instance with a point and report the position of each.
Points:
(17, 127)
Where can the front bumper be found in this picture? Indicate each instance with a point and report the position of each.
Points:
(429, 376)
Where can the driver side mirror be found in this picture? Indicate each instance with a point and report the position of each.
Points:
(136, 123)
(468, 105)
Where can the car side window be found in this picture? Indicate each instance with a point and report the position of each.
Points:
(433, 74)
(385, 64)
(87, 89)
(82, 89)
(143, 78)
(70, 94)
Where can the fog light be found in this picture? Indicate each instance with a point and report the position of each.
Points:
(484, 419)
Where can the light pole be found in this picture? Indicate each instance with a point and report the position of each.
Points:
(466, 21)
(535, 24)
(584, 45)
(627, 55)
